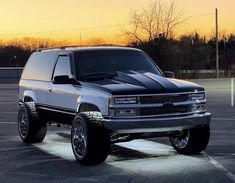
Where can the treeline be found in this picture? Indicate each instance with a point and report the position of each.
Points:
(12, 56)
(190, 52)
(16, 52)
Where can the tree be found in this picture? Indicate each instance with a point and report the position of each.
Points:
(96, 41)
(157, 20)
(22, 49)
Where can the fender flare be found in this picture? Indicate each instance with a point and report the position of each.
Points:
(30, 94)
(92, 101)
(88, 106)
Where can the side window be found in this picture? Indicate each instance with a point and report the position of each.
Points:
(39, 66)
(63, 67)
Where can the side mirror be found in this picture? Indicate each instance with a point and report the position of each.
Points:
(64, 79)
(169, 74)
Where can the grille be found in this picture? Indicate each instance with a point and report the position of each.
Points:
(163, 99)
(167, 110)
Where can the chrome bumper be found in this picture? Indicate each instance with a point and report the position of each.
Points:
(145, 125)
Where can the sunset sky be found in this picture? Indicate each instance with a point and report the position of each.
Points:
(68, 19)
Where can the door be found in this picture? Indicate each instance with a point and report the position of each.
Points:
(63, 96)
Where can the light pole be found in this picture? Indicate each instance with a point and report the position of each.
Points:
(11, 59)
(217, 43)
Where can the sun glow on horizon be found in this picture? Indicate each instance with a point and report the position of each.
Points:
(100, 20)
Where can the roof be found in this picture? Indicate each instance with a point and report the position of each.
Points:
(86, 48)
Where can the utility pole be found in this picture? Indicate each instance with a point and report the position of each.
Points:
(217, 43)
(80, 38)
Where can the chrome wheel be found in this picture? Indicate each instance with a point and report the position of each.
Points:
(90, 140)
(23, 123)
(79, 138)
(181, 139)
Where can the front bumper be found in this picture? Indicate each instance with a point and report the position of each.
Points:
(163, 124)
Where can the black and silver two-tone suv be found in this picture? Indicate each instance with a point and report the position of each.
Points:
(108, 95)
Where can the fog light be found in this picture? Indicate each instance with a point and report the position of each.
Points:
(111, 112)
(198, 108)
(126, 112)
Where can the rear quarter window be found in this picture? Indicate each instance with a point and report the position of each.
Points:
(40, 66)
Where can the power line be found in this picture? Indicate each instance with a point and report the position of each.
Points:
(201, 15)
(57, 31)
(82, 28)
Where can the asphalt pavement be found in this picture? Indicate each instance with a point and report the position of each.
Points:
(149, 160)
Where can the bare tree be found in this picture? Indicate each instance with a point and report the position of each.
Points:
(32, 43)
(158, 19)
(96, 41)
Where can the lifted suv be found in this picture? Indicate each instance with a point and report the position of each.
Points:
(109, 95)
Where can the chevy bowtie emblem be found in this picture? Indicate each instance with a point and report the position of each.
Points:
(168, 98)
(167, 105)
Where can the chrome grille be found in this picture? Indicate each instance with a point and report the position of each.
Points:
(163, 99)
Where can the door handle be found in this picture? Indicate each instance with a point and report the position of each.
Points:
(50, 89)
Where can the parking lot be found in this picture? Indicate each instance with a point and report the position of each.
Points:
(152, 160)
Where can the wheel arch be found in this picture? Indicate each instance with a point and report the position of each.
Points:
(29, 96)
(86, 107)
(92, 102)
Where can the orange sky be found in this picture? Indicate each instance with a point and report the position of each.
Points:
(99, 17)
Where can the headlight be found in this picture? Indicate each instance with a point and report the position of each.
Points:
(197, 96)
(126, 100)
(198, 107)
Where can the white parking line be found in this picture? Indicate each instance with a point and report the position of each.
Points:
(220, 167)
(232, 98)
(224, 119)
(9, 112)
(222, 132)
(225, 154)
(7, 122)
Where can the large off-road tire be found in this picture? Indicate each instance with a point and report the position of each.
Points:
(191, 141)
(31, 129)
(90, 140)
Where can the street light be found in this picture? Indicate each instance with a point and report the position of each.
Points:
(11, 59)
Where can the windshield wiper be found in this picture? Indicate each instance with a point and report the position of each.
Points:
(99, 76)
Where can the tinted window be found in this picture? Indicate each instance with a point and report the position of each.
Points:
(40, 66)
(111, 61)
(63, 67)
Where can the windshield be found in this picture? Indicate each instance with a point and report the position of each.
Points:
(101, 64)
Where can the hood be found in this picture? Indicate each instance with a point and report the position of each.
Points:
(132, 82)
